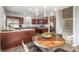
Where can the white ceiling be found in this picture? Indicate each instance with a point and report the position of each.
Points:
(24, 10)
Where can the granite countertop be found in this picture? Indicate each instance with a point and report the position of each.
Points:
(5, 31)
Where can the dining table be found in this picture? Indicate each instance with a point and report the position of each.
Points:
(48, 44)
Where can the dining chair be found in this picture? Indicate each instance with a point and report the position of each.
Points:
(26, 49)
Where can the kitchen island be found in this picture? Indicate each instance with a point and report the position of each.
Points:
(11, 39)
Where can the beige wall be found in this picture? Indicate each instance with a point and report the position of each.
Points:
(59, 22)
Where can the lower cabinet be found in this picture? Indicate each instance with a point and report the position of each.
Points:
(41, 30)
(12, 39)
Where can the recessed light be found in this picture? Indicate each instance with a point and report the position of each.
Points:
(55, 9)
(37, 13)
(30, 9)
(45, 7)
(36, 10)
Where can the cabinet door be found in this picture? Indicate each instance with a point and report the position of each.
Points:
(40, 21)
(34, 21)
(45, 21)
(45, 30)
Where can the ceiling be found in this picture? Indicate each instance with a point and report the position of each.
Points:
(30, 10)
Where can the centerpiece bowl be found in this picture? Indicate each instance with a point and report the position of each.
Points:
(46, 35)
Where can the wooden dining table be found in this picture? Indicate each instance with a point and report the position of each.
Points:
(47, 43)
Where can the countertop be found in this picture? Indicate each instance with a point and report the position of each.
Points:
(7, 31)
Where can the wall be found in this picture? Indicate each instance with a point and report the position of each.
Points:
(77, 19)
(2, 18)
(14, 38)
(59, 22)
(76, 26)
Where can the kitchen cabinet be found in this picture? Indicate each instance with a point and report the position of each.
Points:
(34, 21)
(15, 38)
(45, 21)
(45, 30)
(40, 21)
(41, 30)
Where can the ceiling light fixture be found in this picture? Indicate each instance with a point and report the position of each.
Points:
(36, 10)
(55, 9)
(37, 13)
(30, 9)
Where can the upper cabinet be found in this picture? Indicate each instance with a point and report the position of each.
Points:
(45, 21)
(40, 21)
(34, 21)
(67, 12)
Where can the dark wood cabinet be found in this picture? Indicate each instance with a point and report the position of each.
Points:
(41, 30)
(45, 21)
(34, 21)
(40, 21)
(45, 30)
(13, 39)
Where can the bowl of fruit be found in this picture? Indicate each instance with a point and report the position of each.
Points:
(46, 35)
